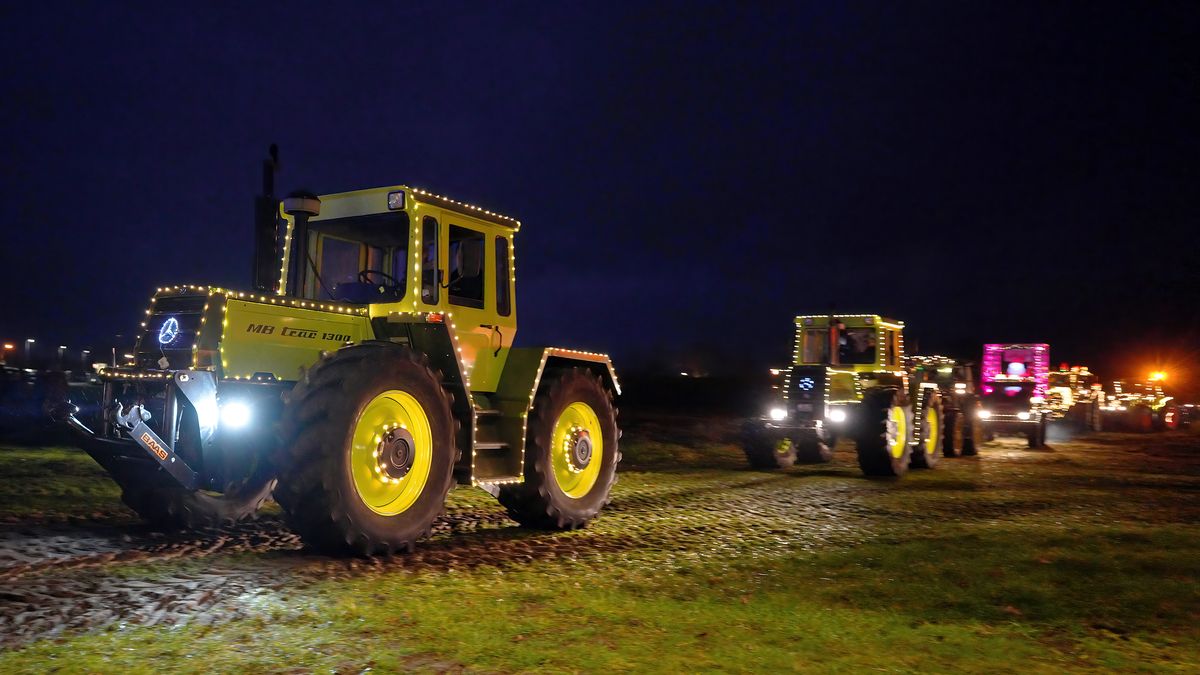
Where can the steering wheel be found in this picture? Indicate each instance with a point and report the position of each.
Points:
(390, 285)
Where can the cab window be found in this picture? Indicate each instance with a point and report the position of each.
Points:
(341, 261)
(466, 267)
(816, 345)
(503, 299)
(430, 281)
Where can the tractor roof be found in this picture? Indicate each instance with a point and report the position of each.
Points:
(848, 319)
(383, 199)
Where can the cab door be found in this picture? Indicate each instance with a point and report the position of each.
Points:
(470, 289)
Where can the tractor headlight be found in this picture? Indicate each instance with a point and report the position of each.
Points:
(837, 415)
(1023, 415)
(235, 415)
(778, 414)
(984, 414)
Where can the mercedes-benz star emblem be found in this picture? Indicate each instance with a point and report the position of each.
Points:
(168, 332)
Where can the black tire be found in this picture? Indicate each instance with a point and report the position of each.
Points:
(316, 488)
(972, 429)
(765, 449)
(147, 490)
(929, 448)
(1141, 419)
(871, 444)
(172, 508)
(816, 450)
(539, 501)
(1037, 435)
(952, 439)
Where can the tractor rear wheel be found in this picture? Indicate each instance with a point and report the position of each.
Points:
(882, 440)
(929, 450)
(972, 430)
(571, 453)
(368, 450)
(952, 440)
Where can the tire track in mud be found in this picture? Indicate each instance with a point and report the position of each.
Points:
(57, 580)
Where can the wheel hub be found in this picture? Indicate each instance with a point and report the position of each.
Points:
(578, 449)
(396, 454)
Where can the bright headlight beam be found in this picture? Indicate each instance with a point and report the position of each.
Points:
(1023, 415)
(837, 415)
(235, 415)
(778, 414)
(984, 414)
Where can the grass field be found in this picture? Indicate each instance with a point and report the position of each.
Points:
(1083, 557)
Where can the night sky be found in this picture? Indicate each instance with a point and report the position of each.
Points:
(690, 175)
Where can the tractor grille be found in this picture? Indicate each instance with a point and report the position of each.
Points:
(171, 329)
(806, 392)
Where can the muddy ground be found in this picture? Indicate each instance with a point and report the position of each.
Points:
(65, 573)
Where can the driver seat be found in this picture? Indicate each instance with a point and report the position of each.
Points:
(356, 292)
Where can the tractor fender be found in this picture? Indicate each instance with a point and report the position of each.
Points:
(522, 377)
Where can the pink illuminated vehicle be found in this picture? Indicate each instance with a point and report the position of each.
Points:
(1013, 384)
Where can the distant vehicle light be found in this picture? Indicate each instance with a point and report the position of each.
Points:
(960, 386)
(1023, 415)
(1037, 399)
(235, 415)
(837, 415)
(985, 414)
(778, 414)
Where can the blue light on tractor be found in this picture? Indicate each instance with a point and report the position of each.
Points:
(806, 384)
(168, 331)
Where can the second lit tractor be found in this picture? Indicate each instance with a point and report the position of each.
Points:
(848, 379)
(1141, 406)
(1014, 382)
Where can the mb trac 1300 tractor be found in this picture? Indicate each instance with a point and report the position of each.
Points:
(848, 379)
(962, 431)
(371, 369)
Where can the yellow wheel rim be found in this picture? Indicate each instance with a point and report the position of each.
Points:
(391, 453)
(897, 434)
(576, 450)
(932, 423)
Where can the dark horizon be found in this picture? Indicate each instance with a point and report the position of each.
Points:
(690, 175)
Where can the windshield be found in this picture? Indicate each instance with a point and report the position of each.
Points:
(348, 257)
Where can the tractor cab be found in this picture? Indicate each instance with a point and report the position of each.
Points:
(400, 250)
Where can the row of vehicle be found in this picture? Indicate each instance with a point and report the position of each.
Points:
(371, 366)
(850, 378)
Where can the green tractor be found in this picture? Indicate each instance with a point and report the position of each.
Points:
(370, 370)
(848, 379)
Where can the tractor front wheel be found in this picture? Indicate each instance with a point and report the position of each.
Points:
(1037, 434)
(882, 442)
(571, 453)
(368, 451)
(177, 508)
(766, 450)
